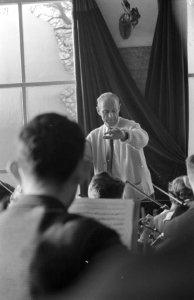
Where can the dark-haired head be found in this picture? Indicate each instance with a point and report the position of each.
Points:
(50, 147)
(104, 185)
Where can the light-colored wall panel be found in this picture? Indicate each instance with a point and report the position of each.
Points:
(142, 34)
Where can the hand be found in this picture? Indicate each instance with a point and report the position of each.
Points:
(114, 134)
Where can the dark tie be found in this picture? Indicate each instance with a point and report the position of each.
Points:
(109, 155)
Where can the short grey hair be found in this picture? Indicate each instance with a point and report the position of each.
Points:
(106, 95)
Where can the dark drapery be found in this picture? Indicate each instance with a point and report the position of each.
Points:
(100, 68)
(167, 81)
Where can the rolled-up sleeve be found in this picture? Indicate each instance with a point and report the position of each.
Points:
(137, 137)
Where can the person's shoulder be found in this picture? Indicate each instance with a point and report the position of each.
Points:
(125, 122)
(181, 225)
(96, 129)
(95, 132)
(65, 251)
(81, 229)
(81, 223)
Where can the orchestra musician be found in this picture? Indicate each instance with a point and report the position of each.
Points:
(155, 224)
(117, 146)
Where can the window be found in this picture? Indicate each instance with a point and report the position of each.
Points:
(37, 66)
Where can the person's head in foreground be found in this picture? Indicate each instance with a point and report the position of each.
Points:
(104, 185)
(108, 108)
(49, 157)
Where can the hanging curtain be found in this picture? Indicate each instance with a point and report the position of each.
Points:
(167, 81)
(100, 68)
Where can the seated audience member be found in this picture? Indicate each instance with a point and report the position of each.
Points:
(178, 189)
(49, 167)
(103, 185)
(6, 191)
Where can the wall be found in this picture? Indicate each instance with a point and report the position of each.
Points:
(136, 49)
(142, 35)
(137, 61)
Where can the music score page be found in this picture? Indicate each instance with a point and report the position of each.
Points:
(118, 214)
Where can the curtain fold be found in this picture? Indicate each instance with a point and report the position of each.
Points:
(100, 68)
(167, 81)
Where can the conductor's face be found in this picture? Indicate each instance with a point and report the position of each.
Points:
(108, 109)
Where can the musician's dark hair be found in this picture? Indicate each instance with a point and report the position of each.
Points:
(106, 186)
(51, 146)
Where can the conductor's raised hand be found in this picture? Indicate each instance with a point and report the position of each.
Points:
(115, 134)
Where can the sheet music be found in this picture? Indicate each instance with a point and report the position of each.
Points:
(118, 214)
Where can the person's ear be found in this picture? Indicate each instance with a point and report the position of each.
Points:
(14, 170)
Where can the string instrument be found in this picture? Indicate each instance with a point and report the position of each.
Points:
(150, 234)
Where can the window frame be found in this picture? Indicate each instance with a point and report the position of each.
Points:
(24, 84)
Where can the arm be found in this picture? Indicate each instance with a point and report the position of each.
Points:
(136, 136)
(133, 135)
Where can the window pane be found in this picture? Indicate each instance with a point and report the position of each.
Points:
(60, 99)
(48, 41)
(10, 64)
(10, 122)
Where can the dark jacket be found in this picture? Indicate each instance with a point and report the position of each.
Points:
(29, 253)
